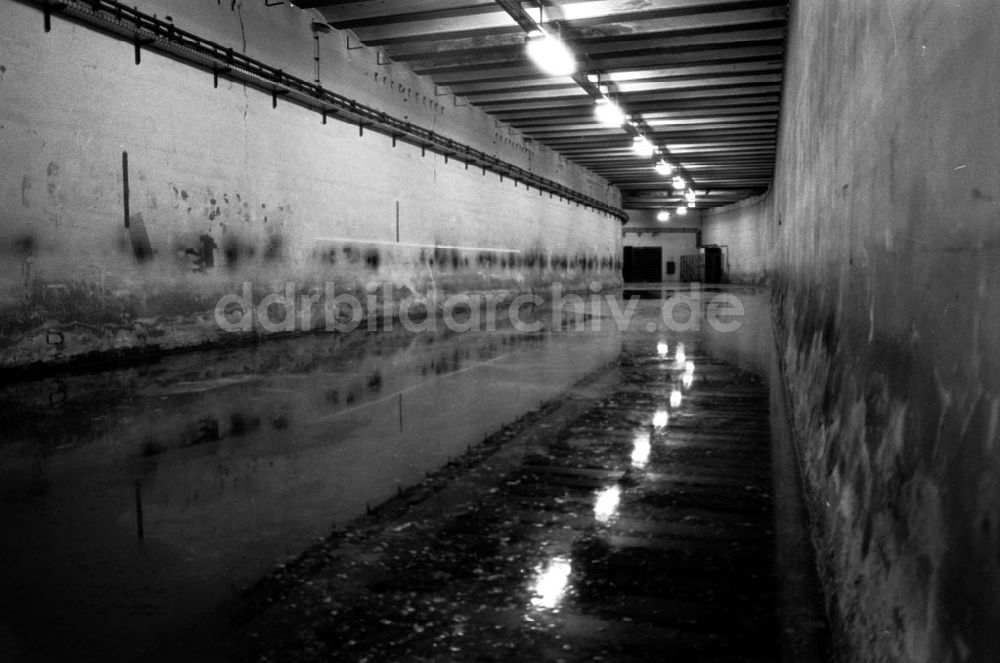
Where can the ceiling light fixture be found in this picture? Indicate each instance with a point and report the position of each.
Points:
(690, 196)
(642, 146)
(609, 113)
(679, 183)
(550, 54)
(664, 168)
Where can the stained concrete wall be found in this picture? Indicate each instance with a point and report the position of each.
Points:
(882, 248)
(225, 190)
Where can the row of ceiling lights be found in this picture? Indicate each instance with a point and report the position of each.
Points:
(552, 56)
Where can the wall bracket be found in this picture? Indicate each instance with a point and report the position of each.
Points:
(49, 8)
(275, 93)
(215, 75)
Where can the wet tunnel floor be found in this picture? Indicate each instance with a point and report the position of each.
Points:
(631, 520)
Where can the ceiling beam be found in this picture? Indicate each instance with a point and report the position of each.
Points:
(700, 78)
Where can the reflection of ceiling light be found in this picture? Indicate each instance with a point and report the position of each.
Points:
(663, 215)
(688, 378)
(551, 583)
(609, 113)
(660, 418)
(679, 183)
(606, 504)
(642, 146)
(640, 450)
(680, 355)
(664, 168)
(675, 398)
(551, 55)
(681, 211)
(662, 349)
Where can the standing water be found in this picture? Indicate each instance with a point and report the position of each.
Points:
(138, 503)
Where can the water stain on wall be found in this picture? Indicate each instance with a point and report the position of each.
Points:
(235, 251)
(274, 250)
(53, 175)
(372, 259)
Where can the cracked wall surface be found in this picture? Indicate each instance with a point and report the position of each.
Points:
(223, 189)
(880, 240)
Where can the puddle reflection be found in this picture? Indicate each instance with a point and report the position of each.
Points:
(551, 583)
(640, 450)
(687, 379)
(606, 504)
(680, 356)
(246, 456)
(239, 459)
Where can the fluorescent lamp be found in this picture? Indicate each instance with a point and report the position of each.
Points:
(664, 168)
(551, 55)
(609, 113)
(642, 146)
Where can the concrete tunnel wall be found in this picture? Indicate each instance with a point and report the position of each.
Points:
(880, 241)
(738, 228)
(226, 190)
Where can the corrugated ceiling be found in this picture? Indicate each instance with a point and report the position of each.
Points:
(701, 78)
